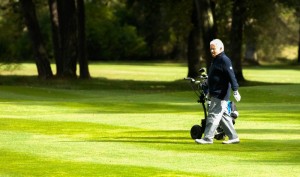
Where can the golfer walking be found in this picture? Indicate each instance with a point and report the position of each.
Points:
(221, 79)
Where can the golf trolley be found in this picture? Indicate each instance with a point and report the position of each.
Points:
(200, 87)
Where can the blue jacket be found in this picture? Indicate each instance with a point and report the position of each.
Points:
(221, 77)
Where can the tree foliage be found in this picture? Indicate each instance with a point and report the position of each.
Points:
(109, 37)
(13, 39)
(154, 29)
(164, 25)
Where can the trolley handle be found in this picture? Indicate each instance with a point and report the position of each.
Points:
(203, 76)
(192, 80)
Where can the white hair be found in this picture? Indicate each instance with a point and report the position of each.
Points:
(218, 43)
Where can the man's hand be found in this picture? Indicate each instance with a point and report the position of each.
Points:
(237, 96)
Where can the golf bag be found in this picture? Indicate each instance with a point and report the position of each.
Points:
(201, 89)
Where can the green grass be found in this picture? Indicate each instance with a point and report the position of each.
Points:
(134, 120)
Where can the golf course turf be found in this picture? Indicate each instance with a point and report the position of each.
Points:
(133, 119)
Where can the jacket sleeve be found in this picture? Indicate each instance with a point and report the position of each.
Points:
(231, 75)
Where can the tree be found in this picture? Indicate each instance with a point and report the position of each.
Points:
(269, 22)
(295, 4)
(68, 20)
(147, 17)
(208, 27)
(83, 62)
(193, 54)
(68, 31)
(298, 16)
(203, 26)
(56, 37)
(236, 37)
(163, 25)
(41, 57)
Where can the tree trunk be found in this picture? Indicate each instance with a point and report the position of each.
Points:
(194, 44)
(56, 37)
(208, 27)
(41, 57)
(83, 62)
(68, 35)
(299, 47)
(298, 17)
(236, 37)
(193, 53)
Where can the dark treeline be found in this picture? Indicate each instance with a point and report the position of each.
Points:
(77, 31)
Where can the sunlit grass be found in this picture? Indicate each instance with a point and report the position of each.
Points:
(141, 71)
(123, 71)
(132, 120)
(273, 75)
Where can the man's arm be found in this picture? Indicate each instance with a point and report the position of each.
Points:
(232, 79)
(231, 75)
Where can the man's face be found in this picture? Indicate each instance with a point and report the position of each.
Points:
(214, 50)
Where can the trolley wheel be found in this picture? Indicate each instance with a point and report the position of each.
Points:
(196, 132)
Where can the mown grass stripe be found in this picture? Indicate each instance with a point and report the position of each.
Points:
(139, 125)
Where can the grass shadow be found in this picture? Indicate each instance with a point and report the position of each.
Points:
(146, 137)
(269, 131)
(143, 140)
(104, 83)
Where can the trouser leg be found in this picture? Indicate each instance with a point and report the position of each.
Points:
(215, 112)
(227, 125)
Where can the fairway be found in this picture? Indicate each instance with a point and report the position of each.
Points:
(133, 119)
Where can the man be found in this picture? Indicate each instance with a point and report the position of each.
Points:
(220, 79)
